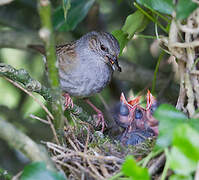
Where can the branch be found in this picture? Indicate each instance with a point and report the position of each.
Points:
(23, 143)
(21, 76)
(46, 34)
(24, 78)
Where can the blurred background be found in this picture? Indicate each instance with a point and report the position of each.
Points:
(19, 26)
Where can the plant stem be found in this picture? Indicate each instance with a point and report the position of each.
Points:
(156, 71)
(145, 36)
(150, 156)
(116, 176)
(46, 34)
(151, 18)
(166, 166)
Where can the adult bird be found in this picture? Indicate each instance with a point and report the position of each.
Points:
(86, 66)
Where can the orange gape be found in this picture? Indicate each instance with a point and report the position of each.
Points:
(137, 121)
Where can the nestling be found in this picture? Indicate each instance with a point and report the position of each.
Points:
(138, 122)
(87, 64)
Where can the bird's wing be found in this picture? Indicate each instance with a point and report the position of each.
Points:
(66, 56)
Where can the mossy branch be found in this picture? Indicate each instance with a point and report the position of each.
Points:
(23, 77)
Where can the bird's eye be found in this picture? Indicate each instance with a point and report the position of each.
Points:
(124, 111)
(138, 114)
(103, 48)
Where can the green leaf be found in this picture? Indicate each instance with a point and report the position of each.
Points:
(194, 123)
(122, 38)
(179, 163)
(66, 7)
(135, 22)
(185, 8)
(169, 118)
(163, 6)
(38, 171)
(76, 13)
(187, 140)
(130, 168)
(180, 177)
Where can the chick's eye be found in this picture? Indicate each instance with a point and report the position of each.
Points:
(103, 48)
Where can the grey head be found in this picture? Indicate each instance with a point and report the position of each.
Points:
(104, 45)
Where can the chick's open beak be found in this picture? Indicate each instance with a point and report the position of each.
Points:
(114, 62)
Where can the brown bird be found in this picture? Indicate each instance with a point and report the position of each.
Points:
(86, 66)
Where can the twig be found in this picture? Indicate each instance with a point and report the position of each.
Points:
(31, 95)
(157, 164)
(86, 170)
(53, 130)
(38, 118)
(192, 44)
(17, 176)
(94, 170)
(182, 93)
(56, 147)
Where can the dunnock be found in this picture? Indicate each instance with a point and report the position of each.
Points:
(86, 65)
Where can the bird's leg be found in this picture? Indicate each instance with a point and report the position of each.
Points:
(68, 101)
(100, 115)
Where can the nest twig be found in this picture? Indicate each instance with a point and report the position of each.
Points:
(86, 155)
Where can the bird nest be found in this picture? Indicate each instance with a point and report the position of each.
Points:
(88, 154)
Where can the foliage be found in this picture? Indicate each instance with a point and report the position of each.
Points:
(168, 6)
(132, 170)
(74, 12)
(176, 131)
(37, 170)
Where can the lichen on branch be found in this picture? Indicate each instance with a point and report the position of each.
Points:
(23, 77)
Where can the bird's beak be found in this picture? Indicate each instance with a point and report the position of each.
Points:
(114, 62)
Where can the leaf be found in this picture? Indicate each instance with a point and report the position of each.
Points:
(179, 163)
(135, 22)
(194, 123)
(130, 168)
(187, 140)
(169, 118)
(76, 13)
(122, 38)
(38, 171)
(66, 7)
(185, 8)
(163, 6)
(180, 177)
